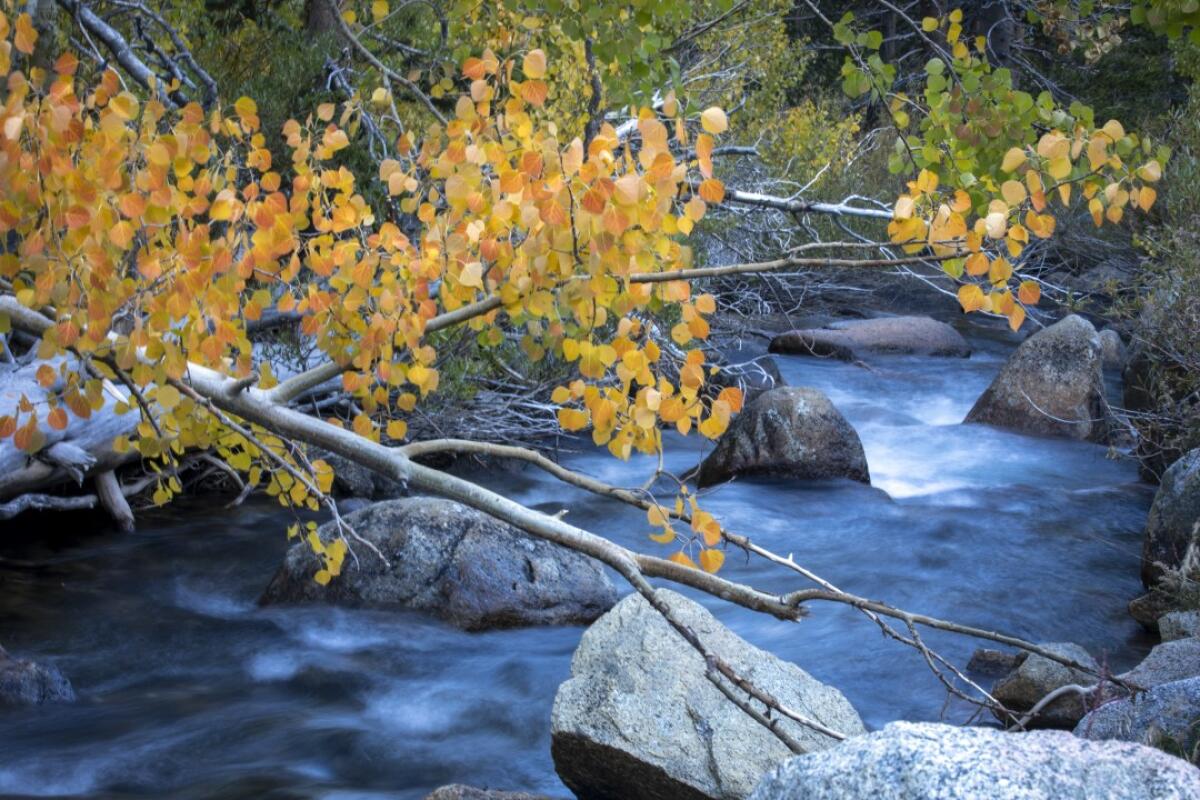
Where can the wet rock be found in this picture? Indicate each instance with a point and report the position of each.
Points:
(464, 566)
(792, 432)
(925, 760)
(1149, 608)
(458, 791)
(27, 683)
(1179, 625)
(1174, 520)
(1051, 386)
(1167, 662)
(351, 479)
(639, 720)
(993, 662)
(1112, 349)
(852, 339)
(1036, 676)
(1165, 717)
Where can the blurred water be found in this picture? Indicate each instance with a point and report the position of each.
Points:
(187, 689)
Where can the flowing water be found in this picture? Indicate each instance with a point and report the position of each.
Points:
(187, 689)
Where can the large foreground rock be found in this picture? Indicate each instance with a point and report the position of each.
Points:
(1164, 717)
(1036, 676)
(851, 339)
(468, 568)
(27, 683)
(930, 761)
(1052, 385)
(638, 719)
(792, 432)
(1174, 520)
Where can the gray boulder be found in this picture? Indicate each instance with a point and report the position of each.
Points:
(850, 339)
(931, 761)
(1174, 520)
(1179, 625)
(1036, 676)
(1052, 385)
(1167, 662)
(1166, 717)
(458, 791)
(1150, 608)
(464, 566)
(792, 432)
(1112, 349)
(639, 719)
(27, 683)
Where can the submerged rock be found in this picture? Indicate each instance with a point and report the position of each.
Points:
(925, 760)
(1150, 608)
(791, 432)
(464, 566)
(851, 339)
(1174, 520)
(27, 683)
(1165, 717)
(639, 719)
(1052, 385)
(1036, 676)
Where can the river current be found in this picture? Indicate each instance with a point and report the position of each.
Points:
(188, 689)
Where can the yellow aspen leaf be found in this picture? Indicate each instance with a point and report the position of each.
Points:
(57, 418)
(681, 557)
(124, 105)
(666, 536)
(26, 35)
(121, 234)
(379, 10)
(1013, 159)
(970, 297)
(323, 577)
(1029, 292)
(397, 429)
(657, 516)
(712, 190)
(534, 64)
(1016, 317)
(325, 111)
(1013, 192)
(707, 526)
(977, 264)
(927, 182)
(168, 397)
(996, 224)
(1150, 172)
(929, 24)
(1059, 168)
(714, 121)
(322, 476)
(1114, 130)
(711, 560)
(561, 394)
(472, 275)
(1064, 193)
(535, 92)
(1146, 197)
(1096, 209)
(1000, 271)
(572, 419)
(904, 208)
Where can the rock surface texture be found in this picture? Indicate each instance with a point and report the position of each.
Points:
(1036, 676)
(27, 683)
(464, 566)
(639, 719)
(929, 761)
(1164, 717)
(1166, 662)
(1174, 520)
(852, 339)
(1179, 625)
(1052, 385)
(789, 432)
(458, 791)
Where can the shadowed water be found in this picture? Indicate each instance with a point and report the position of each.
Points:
(188, 689)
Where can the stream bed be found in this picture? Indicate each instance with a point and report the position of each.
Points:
(187, 689)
